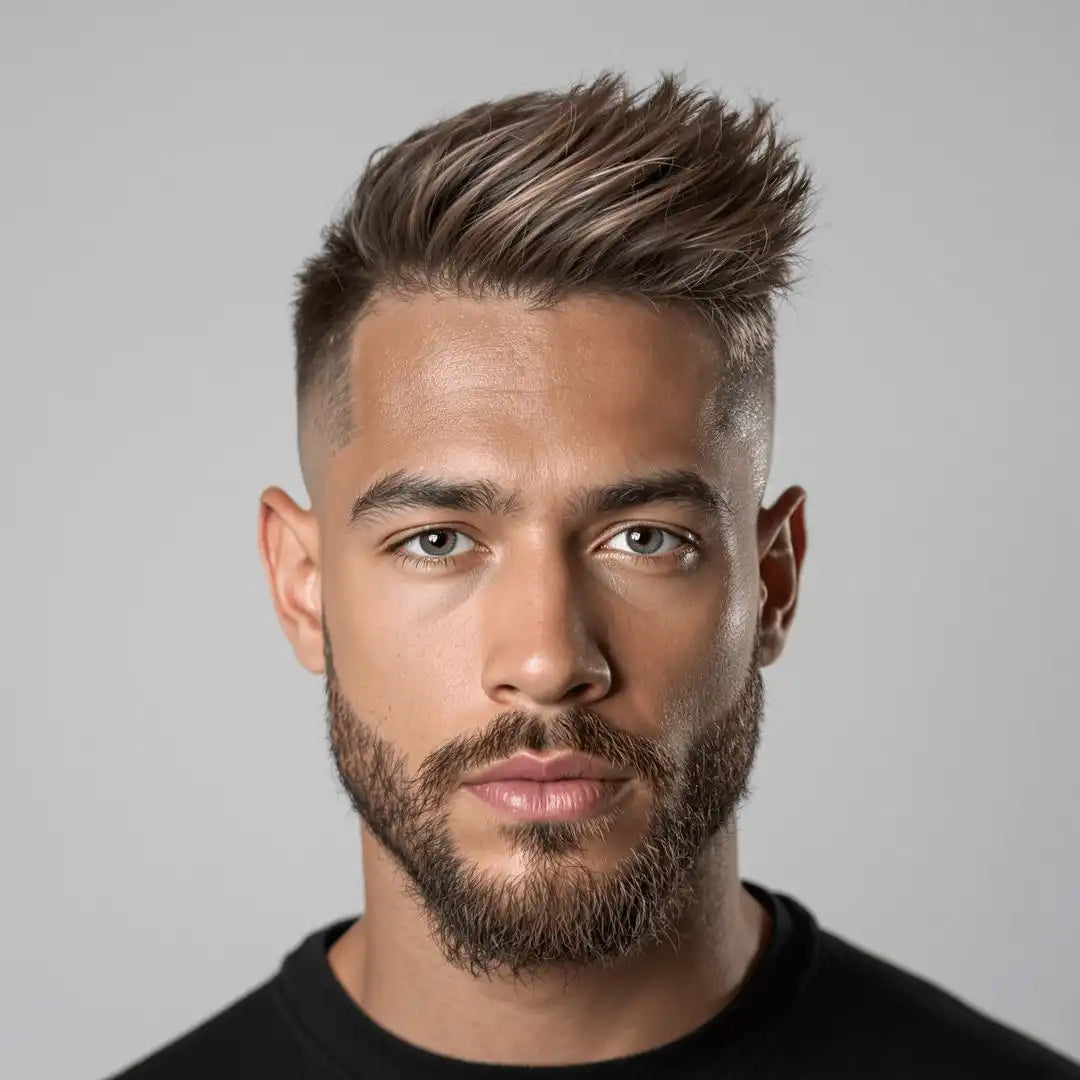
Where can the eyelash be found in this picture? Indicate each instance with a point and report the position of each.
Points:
(431, 562)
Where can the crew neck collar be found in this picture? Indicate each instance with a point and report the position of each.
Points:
(356, 1042)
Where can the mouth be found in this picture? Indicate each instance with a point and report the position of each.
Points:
(568, 799)
(548, 769)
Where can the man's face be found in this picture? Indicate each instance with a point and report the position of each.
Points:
(534, 619)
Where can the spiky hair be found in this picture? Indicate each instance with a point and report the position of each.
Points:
(669, 195)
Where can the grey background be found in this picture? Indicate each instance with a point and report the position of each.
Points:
(171, 822)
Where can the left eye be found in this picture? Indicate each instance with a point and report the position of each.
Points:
(648, 540)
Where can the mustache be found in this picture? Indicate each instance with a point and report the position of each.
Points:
(577, 729)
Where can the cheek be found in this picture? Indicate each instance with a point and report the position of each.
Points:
(401, 654)
(708, 642)
(686, 664)
(715, 622)
(737, 627)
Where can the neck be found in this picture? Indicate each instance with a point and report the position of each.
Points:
(389, 965)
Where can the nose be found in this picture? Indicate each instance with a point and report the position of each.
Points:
(541, 650)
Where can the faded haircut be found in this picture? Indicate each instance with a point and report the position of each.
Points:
(668, 195)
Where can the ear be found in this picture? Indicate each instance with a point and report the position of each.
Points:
(781, 547)
(289, 549)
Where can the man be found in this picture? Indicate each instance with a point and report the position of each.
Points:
(535, 394)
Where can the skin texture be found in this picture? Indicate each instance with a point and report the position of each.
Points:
(481, 937)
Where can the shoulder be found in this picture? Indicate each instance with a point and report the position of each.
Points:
(895, 1021)
(252, 1036)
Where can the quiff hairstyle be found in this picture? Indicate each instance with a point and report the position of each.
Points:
(668, 195)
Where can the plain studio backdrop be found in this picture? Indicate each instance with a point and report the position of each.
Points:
(172, 822)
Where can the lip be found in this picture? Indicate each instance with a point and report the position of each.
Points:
(562, 767)
(553, 800)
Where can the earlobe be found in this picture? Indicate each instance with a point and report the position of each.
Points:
(288, 539)
(781, 548)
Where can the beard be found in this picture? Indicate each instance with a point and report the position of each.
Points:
(560, 913)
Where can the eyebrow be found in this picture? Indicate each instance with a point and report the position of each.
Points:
(403, 490)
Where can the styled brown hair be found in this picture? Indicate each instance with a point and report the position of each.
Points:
(668, 195)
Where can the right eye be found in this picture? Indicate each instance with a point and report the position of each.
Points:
(433, 545)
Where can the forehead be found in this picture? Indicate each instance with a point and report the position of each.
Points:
(593, 387)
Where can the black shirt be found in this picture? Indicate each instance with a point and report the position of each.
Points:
(814, 1006)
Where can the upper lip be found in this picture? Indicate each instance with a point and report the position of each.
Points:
(563, 767)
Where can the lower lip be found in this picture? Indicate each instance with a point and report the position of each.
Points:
(548, 800)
